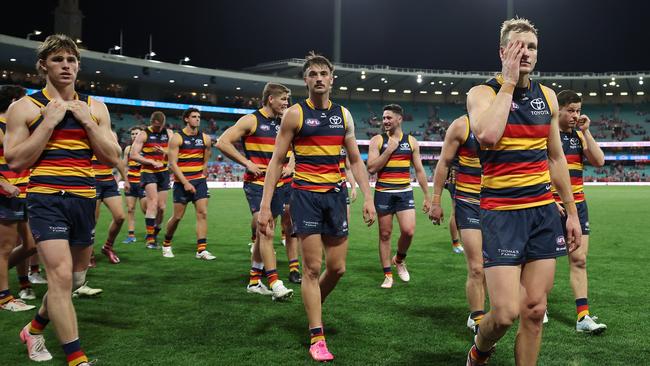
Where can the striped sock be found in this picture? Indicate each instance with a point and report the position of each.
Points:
(35, 268)
(131, 233)
(168, 241)
(74, 354)
(294, 265)
(272, 276)
(201, 245)
(388, 272)
(38, 324)
(108, 244)
(399, 257)
(317, 334)
(5, 296)
(477, 316)
(255, 274)
(156, 230)
(479, 356)
(150, 222)
(582, 308)
(24, 282)
(455, 242)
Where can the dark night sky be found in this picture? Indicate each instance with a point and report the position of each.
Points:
(575, 35)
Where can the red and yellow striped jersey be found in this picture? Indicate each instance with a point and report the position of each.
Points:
(133, 168)
(258, 145)
(103, 172)
(149, 151)
(191, 155)
(468, 175)
(65, 163)
(573, 143)
(19, 180)
(515, 170)
(396, 174)
(317, 147)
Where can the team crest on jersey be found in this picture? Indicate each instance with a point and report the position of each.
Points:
(514, 106)
(573, 143)
(265, 127)
(199, 142)
(537, 104)
(277, 128)
(336, 120)
(404, 146)
(152, 137)
(313, 122)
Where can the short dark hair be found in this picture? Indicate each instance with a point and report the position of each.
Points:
(566, 97)
(273, 89)
(53, 44)
(8, 94)
(137, 127)
(395, 108)
(315, 59)
(158, 116)
(189, 111)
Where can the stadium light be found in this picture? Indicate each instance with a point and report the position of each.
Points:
(612, 83)
(205, 84)
(149, 55)
(360, 89)
(12, 59)
(171, 81)
(238, 88)
(36, 32)
(184, 59)
(136, 77)
(437, 92)
(423, 92)
(114, 48)
(78, 40)
(454, 93)
(604, 85)
(640, 93)
(623, 93)
(579, 94)
(640, 82)
(609, 94)
(392, 90)
(98, 72)
(375, 90)
(343, 88)
(407, 91)
(363, 76)
(593, 94)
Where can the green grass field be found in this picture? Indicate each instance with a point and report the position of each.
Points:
(182, 311)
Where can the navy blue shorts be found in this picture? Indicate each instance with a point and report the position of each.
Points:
(135, 191)
(161, 179)
(319, 213)
(13, 209)
(286, 193)
(106, 189)
(254, 197)
(517, 236)
(347, 194)
(66, 217)
(468, 215)
(451, 187)
(392, 202)
(583, 216)
(184, 197)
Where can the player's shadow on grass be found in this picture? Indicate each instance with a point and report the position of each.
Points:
(448, 319)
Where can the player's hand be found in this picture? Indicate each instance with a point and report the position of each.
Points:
(583, 122)
(54, 112)
(189, 187)
(156, 164)
(435, 214)
(265, 222)
(254, 169)
(510, 61)
(573, 233)
(353, 194)
(160, 149)
(127, 186)
(426, 205)
(392, 144)
(560, 209)
(286, 172)
(11, 191)
(81, 112)
(369, 212)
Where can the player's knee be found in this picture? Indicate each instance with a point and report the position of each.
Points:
(312, 272)
(408, 232)
(119, 218)
(384, 235)
(59, 278)
(337, 269)
(505, 316)
(579, 261)
(476, 271)
(534, 312)
(78, 279)
(161, 207)
(201, 215)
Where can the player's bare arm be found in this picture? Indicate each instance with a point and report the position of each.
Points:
(453, 140)
(244, 127)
